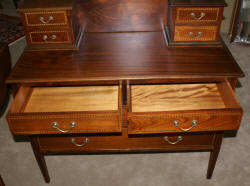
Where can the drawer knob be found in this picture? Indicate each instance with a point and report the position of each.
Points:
(198, 35)
(53, 37)
(73, 140)
(72, 125)
(45, 37)
(193, 15)
(179, 138)
(194, 123)
(51, 18)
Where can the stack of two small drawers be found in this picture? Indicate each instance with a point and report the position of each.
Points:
(50, 28)
(194, 23)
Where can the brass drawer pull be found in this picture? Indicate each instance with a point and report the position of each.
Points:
(195, 36)
(179, 138)
(193, 15)
(72, 125)
(51, 18)
(73, 140)
(53, 37)
(194, 123)
(45, 37)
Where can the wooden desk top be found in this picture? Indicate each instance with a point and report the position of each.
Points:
(122, 56)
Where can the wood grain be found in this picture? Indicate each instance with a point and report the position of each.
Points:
(60, 99)
(121, 56)
(124, 15)
(124, 143)
(152, 98)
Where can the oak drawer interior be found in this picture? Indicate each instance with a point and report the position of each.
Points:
(182, 108)
(154, 98)
(54, 110)
(63, 99)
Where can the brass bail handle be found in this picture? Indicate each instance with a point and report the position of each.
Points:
(198, 35)
(194, 123)
(73, 140)
(51, 18)
(193, 15)
(179, 138)
(56, 126)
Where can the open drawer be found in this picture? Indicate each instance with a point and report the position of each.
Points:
(182, 108)
(54, 110)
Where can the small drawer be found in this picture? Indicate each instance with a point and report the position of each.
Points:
(182, 108)
(196, 33)
(55, 18)
(198, 15)
(124, 143)
(63, 110)
(45, 37)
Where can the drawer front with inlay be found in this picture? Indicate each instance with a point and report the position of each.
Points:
(125, 143)
(56, 18)
(196, 33)
(186, 122)
(182, 108)
(45, 37)
(63, 110)
(198, 15)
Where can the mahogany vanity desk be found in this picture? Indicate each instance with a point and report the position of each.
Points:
(125, 91)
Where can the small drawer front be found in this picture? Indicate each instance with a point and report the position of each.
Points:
(45, 37)
(125, 143)
(56, 18)
(65, 123)
(197, 15)
(196, 33)
(186, 122)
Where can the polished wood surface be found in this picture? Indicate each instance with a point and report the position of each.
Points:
(45, 5)
(197, 2)
(116, 56)
(152, 98)
(124, 15)
(91, 98)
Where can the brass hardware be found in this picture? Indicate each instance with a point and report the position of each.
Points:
(53, 37)
(179, 138)
(72, 125)
(51, 18)
(45, 37)
(73, 140)
(194, 123)
(193, 15)
(195, 36)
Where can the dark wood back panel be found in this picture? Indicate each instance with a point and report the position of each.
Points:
(124, 15)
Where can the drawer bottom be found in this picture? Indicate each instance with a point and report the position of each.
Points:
(125, 143)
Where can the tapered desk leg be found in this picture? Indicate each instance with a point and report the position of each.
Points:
(214, 154)
(1, 181)
(40, 158)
